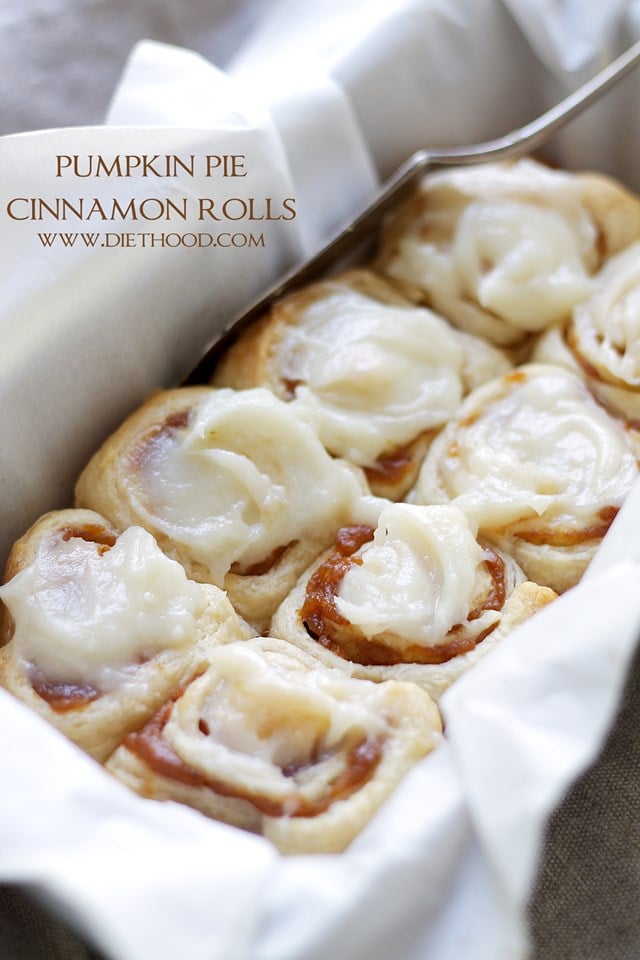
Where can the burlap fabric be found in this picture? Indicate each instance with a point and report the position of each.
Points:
(28, 932)
(586, 905)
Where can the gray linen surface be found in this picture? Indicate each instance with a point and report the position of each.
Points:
(60, 59)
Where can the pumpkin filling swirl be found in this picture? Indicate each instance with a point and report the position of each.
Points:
(383, 639)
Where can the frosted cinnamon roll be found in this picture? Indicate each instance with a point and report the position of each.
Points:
(232, 484)
(505, 250)
(270, 740)
(416, 599)
(540, 467)
(601, 343)
(374, 375)
(101, 629)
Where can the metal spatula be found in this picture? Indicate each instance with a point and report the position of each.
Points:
(403, 181)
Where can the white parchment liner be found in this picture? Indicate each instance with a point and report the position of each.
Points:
(445, 869)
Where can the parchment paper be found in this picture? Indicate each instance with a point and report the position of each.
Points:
(320, 99)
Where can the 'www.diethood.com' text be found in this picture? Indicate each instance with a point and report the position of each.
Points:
(196, 240)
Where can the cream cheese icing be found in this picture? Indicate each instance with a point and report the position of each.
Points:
(370, 376)
(607, 325)
(252, 714)
(244, 478)
(533, 444)
(513, 239)
(86, 616)
(416, 578)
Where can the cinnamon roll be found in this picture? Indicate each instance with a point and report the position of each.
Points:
(101, 629)
(232, 484)
(416, 599)
(374, 375)
(540, 467)
(504, 250)
(601, 343)
(270, 740)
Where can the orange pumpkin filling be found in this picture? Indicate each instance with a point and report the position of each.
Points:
(62, 696)
(150, 746)
(326, 625)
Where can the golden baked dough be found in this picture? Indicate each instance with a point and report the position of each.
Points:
(232, 484)
(101, 629)
(270, 740)
(374, 375)
(505, 250)
(540, 467)
(418, 599)
(601, 342)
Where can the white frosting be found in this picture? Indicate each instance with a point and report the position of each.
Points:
(417, 576)
(482, 361)
(262, 712)
(374, 376)
(608, 324)
(85, 618)
(246, 477)
(514, 239)
(537, 447)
